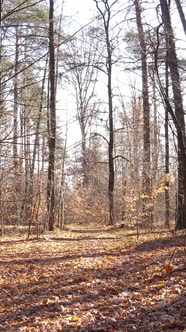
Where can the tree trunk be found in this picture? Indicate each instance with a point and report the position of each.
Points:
(177, 115)
(155, 132)
(26, 210)
(61, 204)
(1, 87)
(15, 125)
(15, 128)
(52, 123)
(146, 115)
(111, 137)
(181, 14)
(84, 158)
(1, 113)
(167, 199)
(106, 16)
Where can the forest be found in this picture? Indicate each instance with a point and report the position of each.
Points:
(92, 165)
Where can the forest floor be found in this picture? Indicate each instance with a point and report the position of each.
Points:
(93, 279)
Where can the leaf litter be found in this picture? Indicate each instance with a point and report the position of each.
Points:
(93, 281)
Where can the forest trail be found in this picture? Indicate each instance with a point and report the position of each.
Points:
(96, 279)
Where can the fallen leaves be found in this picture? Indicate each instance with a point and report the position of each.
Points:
(86, 283)
(168, 268)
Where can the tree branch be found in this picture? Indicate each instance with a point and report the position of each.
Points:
(97, 134)
(122, 157)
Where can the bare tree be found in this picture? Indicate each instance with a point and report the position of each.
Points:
(52, 122)
(82, 59)
(61, 201)
(146, 112)
(105, 9)
(167, 198)
(181, 13)
(177, 114)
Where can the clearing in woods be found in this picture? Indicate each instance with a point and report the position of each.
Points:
(96, 279)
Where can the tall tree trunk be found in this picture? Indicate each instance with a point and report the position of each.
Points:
(36, 147)
(52, 123)
(167, 198)
(177, 115)
(15, 125)
(181, 13)
(106, 16)
(154, 149)
(84, 158)
(111, 136)
(25, 212)
(61, 204)
(1, 87)
(38, 121)
(155, 131)
(1, 113)
(146, 114)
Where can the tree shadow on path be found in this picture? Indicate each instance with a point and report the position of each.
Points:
(167, 242)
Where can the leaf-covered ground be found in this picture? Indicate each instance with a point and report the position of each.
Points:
(93, 280)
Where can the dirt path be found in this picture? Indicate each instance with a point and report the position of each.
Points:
(93, 280)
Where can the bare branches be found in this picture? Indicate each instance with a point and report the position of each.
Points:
(181, 13)
(122, 157)
(100, 135)
(19, 8)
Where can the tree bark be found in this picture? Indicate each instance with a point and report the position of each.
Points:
(106, 16)
(15, 128)
(167, 198)
(146, 114)
(61, 204)
(52, 123)
(111, 135)
(1, 87)
(181, 14)
(177, 115)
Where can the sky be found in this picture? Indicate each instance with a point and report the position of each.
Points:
(77, 13)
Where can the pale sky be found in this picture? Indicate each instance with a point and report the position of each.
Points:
(78, 13)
